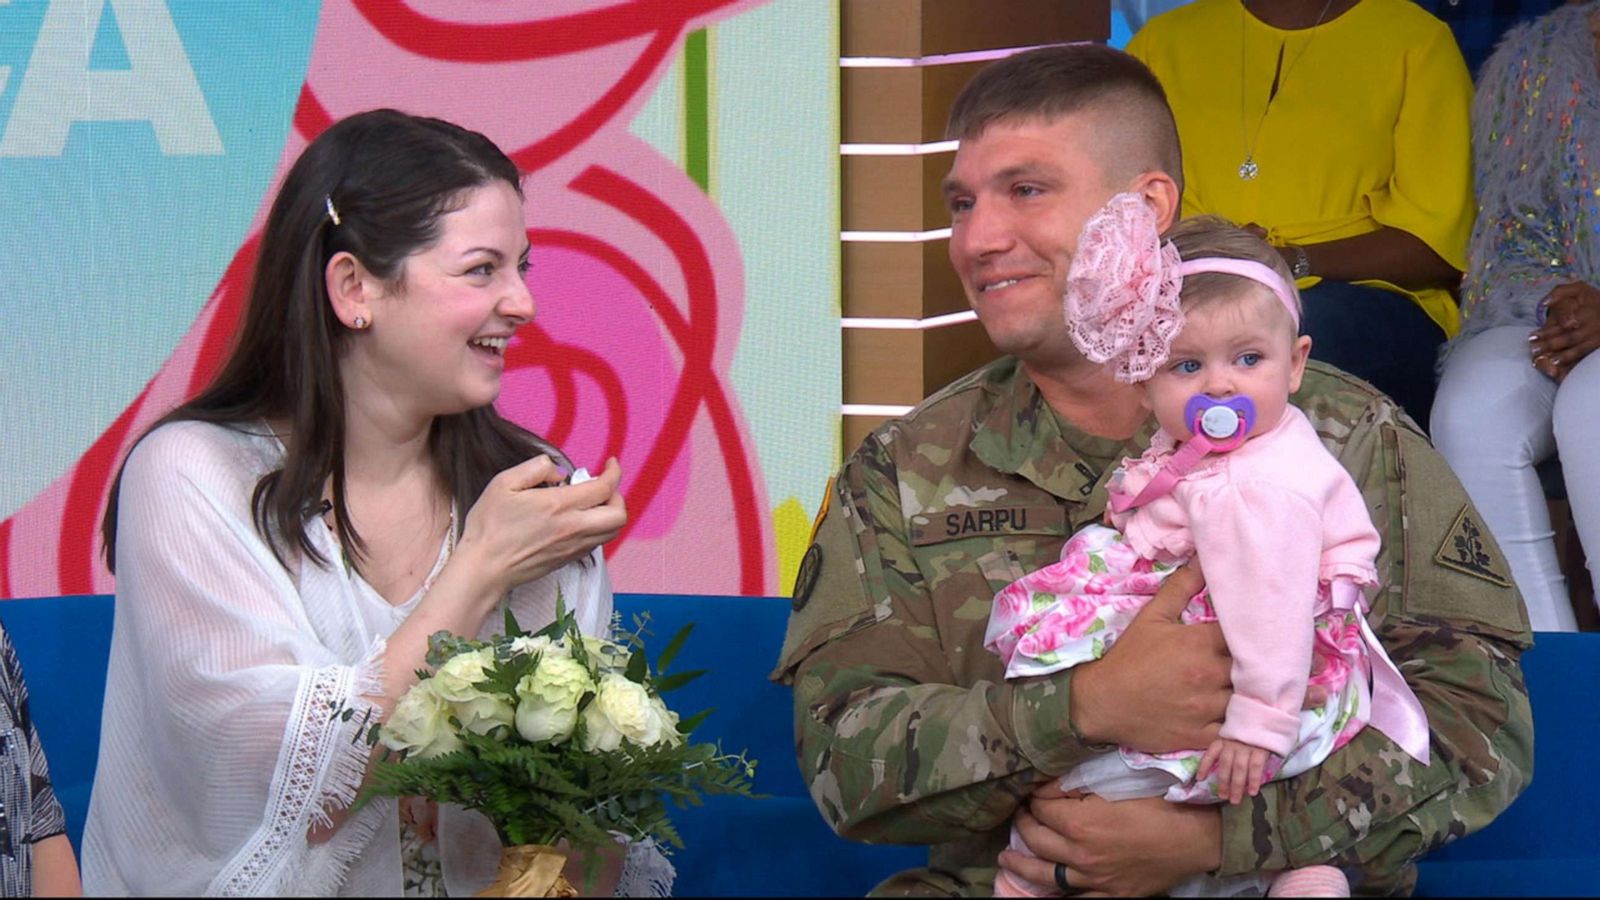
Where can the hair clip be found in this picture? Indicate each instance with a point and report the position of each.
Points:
(327, 200)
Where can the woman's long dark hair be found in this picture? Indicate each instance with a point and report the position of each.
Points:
(390, 177)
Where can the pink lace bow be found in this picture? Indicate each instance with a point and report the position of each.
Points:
(1122, 290)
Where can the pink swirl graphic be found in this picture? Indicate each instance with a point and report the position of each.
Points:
(637, 275)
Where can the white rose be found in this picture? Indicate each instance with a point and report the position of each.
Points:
(541, 644)
(455, 679)
(456, 682)
(598, 732)
(630, 709)
(484, 713)
(420, 724)
(606, 655)
(547, 699)
(669, 722)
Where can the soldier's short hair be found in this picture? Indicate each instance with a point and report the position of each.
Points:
(1200, 236)
(1050, 82)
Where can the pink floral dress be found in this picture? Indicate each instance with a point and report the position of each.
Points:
(1072, 611)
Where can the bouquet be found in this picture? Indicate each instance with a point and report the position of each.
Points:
(553, 735)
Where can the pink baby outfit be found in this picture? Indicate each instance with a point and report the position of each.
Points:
(1280, 528)
(1287, 546)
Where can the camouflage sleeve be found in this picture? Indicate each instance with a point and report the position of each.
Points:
(1456, 627)
(893, 750)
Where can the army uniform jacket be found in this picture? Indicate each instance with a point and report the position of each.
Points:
(907, 731)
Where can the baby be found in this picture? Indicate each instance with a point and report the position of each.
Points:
(1237, 478)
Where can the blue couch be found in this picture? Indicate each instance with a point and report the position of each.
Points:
(1548, 843)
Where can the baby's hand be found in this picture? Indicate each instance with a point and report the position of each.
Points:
(1240, 768)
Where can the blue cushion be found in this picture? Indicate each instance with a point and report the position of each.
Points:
(734, 846)
(1544, 845)
(1555, 824)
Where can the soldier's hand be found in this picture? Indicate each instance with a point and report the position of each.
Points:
(1124, 849)
(1163, 685)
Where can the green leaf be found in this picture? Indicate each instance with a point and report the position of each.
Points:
(636, 670)
(670, 652)
(562, 619)
(687, 726)
(513, 630)
(678, 680)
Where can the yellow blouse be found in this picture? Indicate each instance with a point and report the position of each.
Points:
(1369, 128)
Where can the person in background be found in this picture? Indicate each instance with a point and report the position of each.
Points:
(1338, 130)
(1521, 384)
(36, 857)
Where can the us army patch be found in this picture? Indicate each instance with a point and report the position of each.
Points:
(1465, 551)
(806, 578)
(936, 526)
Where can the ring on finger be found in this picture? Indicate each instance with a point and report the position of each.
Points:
(1061, 880)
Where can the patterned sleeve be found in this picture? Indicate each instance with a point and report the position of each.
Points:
(1518, 247)
(47, 819)
(892, 749)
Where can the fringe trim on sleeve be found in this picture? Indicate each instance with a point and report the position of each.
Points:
(322, 764)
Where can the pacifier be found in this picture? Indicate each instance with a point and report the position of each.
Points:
(1226, 423)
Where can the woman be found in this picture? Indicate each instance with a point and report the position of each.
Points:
(1337, 130)
(1521, 384)
(286, 542)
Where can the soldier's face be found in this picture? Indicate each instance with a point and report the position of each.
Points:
(1230, 348)
(1018, 196)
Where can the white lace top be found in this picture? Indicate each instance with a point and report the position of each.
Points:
(219, 749)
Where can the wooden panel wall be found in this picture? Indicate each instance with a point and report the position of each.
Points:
(907, 328)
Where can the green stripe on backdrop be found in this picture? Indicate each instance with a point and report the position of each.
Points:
(697, 108)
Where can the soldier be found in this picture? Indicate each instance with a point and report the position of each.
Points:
(906, 730)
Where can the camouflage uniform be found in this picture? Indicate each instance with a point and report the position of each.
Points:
(907, 732)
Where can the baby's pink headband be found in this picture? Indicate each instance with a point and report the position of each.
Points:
(1245, 268)
(1122, 291)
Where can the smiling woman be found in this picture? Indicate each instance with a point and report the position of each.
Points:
(286, 541)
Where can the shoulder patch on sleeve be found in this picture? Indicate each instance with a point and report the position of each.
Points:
(1465, 551)
(806, 578)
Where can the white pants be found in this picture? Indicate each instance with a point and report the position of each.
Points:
(1496, 417)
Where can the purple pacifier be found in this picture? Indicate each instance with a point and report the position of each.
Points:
(1225, 422)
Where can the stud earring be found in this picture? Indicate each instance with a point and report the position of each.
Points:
(360, 323)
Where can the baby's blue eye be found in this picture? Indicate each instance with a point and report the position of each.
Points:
(1187, 367)
(1249, 360)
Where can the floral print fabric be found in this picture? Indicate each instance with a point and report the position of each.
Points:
(1073, 611)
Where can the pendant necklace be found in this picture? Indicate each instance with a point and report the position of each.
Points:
(1249, 169)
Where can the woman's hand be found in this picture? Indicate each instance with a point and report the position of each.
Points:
(1571, 329)
(527, 524)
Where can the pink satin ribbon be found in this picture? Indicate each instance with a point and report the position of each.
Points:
(1176, 466)
(1396, 711)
